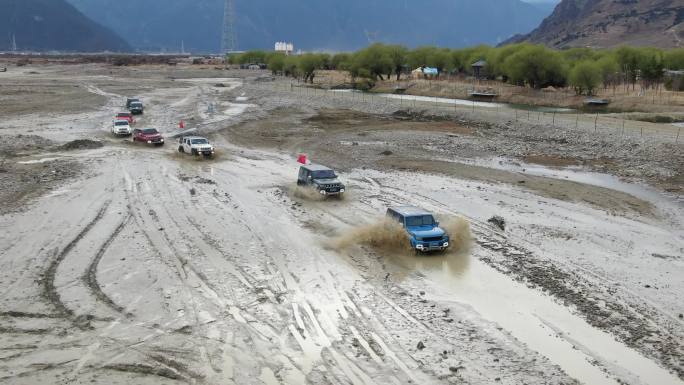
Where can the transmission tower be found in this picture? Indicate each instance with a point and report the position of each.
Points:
(229, 39)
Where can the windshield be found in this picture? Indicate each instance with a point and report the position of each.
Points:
(121, 123)
(199, 141)
(422, 220)
(124, 115)
(136, 104)
(149, 131)
(324, 174)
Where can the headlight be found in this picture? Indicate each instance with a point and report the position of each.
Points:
(149, 141)
(341, 190)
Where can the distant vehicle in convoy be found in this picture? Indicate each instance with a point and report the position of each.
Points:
(195, 145)
(148, 135)
(136, 108)
(320, 178)
(131, 100)
(121, 128)
(125, 116)
(423, 230)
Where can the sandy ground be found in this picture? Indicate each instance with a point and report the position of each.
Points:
(121, 263)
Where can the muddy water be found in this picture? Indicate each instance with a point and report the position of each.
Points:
(466, 102)
(536, 320)
(674, 206)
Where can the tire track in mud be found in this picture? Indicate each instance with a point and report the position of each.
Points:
(146, 369)
(632, 325)
(89, 278)
(308, 330)
(181, 268)
(50, 291)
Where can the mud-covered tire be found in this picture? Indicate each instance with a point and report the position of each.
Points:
(181, 149)
(194, 152)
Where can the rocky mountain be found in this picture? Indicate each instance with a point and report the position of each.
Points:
(608, 23)
(158, 25)
(53, 25)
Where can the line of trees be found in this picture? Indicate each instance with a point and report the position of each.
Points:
(535, 66)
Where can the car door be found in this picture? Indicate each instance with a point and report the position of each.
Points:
(301, 179)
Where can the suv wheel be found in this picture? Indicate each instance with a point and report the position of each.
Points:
(180, 149)
(194, 152)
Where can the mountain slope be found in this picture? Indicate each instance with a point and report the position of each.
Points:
(44, 25)
(608, 23)
(314, 24)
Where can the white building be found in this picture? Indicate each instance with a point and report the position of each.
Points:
(287, 48)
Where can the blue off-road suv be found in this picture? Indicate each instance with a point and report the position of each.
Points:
(423, 231)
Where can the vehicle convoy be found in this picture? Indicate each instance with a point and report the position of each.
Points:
(195, 145)
(321, 178)
(125, 116)
(423, 231)
(136, 108)
(148, 135)
(121, 128)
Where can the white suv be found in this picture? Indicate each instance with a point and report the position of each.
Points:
(121, 127)
(195, 145)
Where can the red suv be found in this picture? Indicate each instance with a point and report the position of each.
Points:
(125, 116)
(148, 135)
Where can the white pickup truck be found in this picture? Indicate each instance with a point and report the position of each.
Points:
(195, 145)
(121, 128)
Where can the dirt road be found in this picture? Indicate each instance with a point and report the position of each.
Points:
(140, 265)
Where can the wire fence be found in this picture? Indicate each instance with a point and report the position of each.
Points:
(606, 124)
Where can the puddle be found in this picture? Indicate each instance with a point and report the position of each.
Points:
(662, 201)
(467, 102)
(38, 161)
(209, 80)
(531, 108)
(449, 265)
(545, 326)
(430, 99)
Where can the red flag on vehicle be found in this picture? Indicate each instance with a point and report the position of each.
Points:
(302, 159)
(181, 124)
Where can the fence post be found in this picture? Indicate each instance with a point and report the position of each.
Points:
(678, 132)
(623, 126)
(577, 120)
(553, 123)
(596, 123)
(642, 131)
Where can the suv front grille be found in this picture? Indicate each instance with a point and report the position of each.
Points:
(432, 239)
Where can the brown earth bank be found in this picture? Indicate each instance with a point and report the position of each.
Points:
(348, 139)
